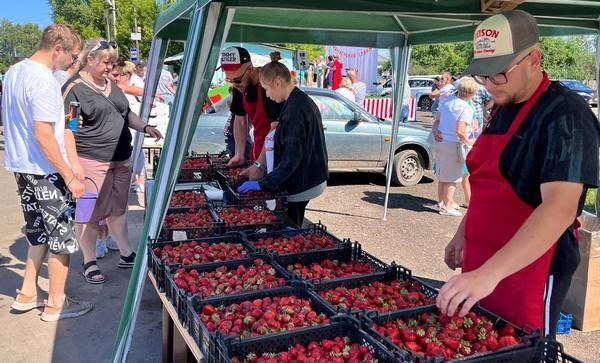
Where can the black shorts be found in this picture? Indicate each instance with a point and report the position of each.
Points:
(49, 212)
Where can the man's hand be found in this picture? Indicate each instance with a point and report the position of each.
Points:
(466, 289)
(437, 135)
(236, 160)
(255, 173)
(152, 131)
(76, 188)
(453, 254)
(78, 171)
(249, 186)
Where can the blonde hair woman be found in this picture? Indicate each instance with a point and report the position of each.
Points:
(346, 89)
(104, 149)
(452, 127)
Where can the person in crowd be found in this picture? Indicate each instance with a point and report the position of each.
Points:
(62, 76)
(299, 151)
(310, 75)
(346, 89)
(445, 89)
(104, 150)
(435, 95)
(482, 103)
(337, 72)
(41, 154)
(140, 71)
(249, 103)
(405, 103)
(452, 127)
(530, 171)
(166, 87)
(320, 67)
(329, 72)
(359, 87)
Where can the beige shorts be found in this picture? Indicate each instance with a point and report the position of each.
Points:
(111, 181)
(449, 168)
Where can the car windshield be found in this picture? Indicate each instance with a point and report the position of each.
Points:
(576, 86)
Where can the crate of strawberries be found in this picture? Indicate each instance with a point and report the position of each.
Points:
(427, 336)
(188, 223)
(219, 161)
(248, 218)
(271, 200)
(230, 246)
(259, 313)
(190, 198)
(385, 291)
(222, 278)
(343, 262)
(231, 175)
(339, 341)
(195, 168)
(313, 238)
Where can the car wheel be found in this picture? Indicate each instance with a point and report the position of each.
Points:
(408, 168)
(425, 103)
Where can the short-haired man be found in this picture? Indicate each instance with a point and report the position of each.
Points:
(360, 88)
(529, 173)
(42, 155)
(248, 99)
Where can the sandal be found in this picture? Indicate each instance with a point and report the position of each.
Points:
(92, 276)
(32, 303)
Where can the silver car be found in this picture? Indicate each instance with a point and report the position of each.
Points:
(420, 89)
(356, 140)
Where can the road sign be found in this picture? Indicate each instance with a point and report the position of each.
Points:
(133, 54)
(136, 36)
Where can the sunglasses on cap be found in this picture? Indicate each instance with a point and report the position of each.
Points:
(103, 44)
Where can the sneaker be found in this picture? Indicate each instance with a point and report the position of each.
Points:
(100, 248)
(127, 262)
(450, 212)
(111, 244)
(70, 309)
(31, 303)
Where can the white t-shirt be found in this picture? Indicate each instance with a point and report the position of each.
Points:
(346, 93)
(165, 79)
(31, 93)
(136, 80)
(360, 90)
(451, 112)
(269, 149)
(444, 93)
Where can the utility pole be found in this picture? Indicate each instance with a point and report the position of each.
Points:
(111, 19)
(136, 30)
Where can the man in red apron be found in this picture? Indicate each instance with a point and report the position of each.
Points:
(248, 100)
(530, 170)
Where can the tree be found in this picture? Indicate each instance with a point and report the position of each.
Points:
(571, 58)
(438, 58)
(19, 40)
(312, 50)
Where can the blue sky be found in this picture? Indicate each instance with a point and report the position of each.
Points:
(26, 11)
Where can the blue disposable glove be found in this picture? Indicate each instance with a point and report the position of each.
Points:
(249, 186)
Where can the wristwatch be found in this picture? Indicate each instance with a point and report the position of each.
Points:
(260, 166)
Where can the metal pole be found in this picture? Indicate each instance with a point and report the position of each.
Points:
(400, 71)
(135, 30)
(598, 73)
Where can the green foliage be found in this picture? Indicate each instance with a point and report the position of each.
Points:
(590, 201)
(88, 17)
(312, 50)
(19, 39)
(438, 58)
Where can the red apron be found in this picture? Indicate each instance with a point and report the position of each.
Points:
(260, 121)
(494, 216)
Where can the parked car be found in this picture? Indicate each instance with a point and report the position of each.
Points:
(588, 93)
(420, 89)
(356, 140)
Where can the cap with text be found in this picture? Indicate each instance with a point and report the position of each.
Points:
(499, 39)
(232, 58)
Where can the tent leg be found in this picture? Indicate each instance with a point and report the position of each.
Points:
(400, 60)
(598, 72)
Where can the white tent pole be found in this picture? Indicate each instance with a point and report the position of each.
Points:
(400, 62)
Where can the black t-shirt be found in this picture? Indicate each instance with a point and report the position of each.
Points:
(105, 135)
(237, 105)
(558, 141)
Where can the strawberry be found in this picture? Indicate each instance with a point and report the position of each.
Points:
(507, 341)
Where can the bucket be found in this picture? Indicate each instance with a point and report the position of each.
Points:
(85, 205)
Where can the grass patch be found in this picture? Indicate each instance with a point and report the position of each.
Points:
(590, 201)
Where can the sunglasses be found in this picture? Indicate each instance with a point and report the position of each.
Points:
(238, 80)
(103, 44)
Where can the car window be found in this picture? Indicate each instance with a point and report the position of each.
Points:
(413, 83)
(332, 109)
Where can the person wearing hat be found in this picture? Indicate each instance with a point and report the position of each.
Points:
(529, 171)
(250, 100)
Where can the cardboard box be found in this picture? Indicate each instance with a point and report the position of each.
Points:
(583, 298)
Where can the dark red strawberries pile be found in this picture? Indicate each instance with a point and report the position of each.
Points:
(246, 216)
(261, 316)
(379, 296)
(298, 243)
(449, 338)
(187, 199)
(195, 253)
(336, 350)
(259, 276)
(193, 218)
(217, 159)
(330, 269)
(195, 163)
(234, 172)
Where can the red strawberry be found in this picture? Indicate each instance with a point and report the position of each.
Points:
(507, 341)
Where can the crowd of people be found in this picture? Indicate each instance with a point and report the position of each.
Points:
(73, 181)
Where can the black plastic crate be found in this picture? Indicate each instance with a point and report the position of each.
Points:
(206, 340)
(278, 223)
(199, 191)
(179, 296)
(202, 173)
(219, 160)
(394, 272)
(552, 351)
(224, 177)
(346, 252)
(191, 232)
(342, 326)
(526, 351)
(316, 228)
(279, 201)
(157, 265)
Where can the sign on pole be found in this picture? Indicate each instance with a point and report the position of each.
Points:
(133, 54)
(136, 36)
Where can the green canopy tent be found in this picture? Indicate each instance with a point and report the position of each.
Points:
(205, 25)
